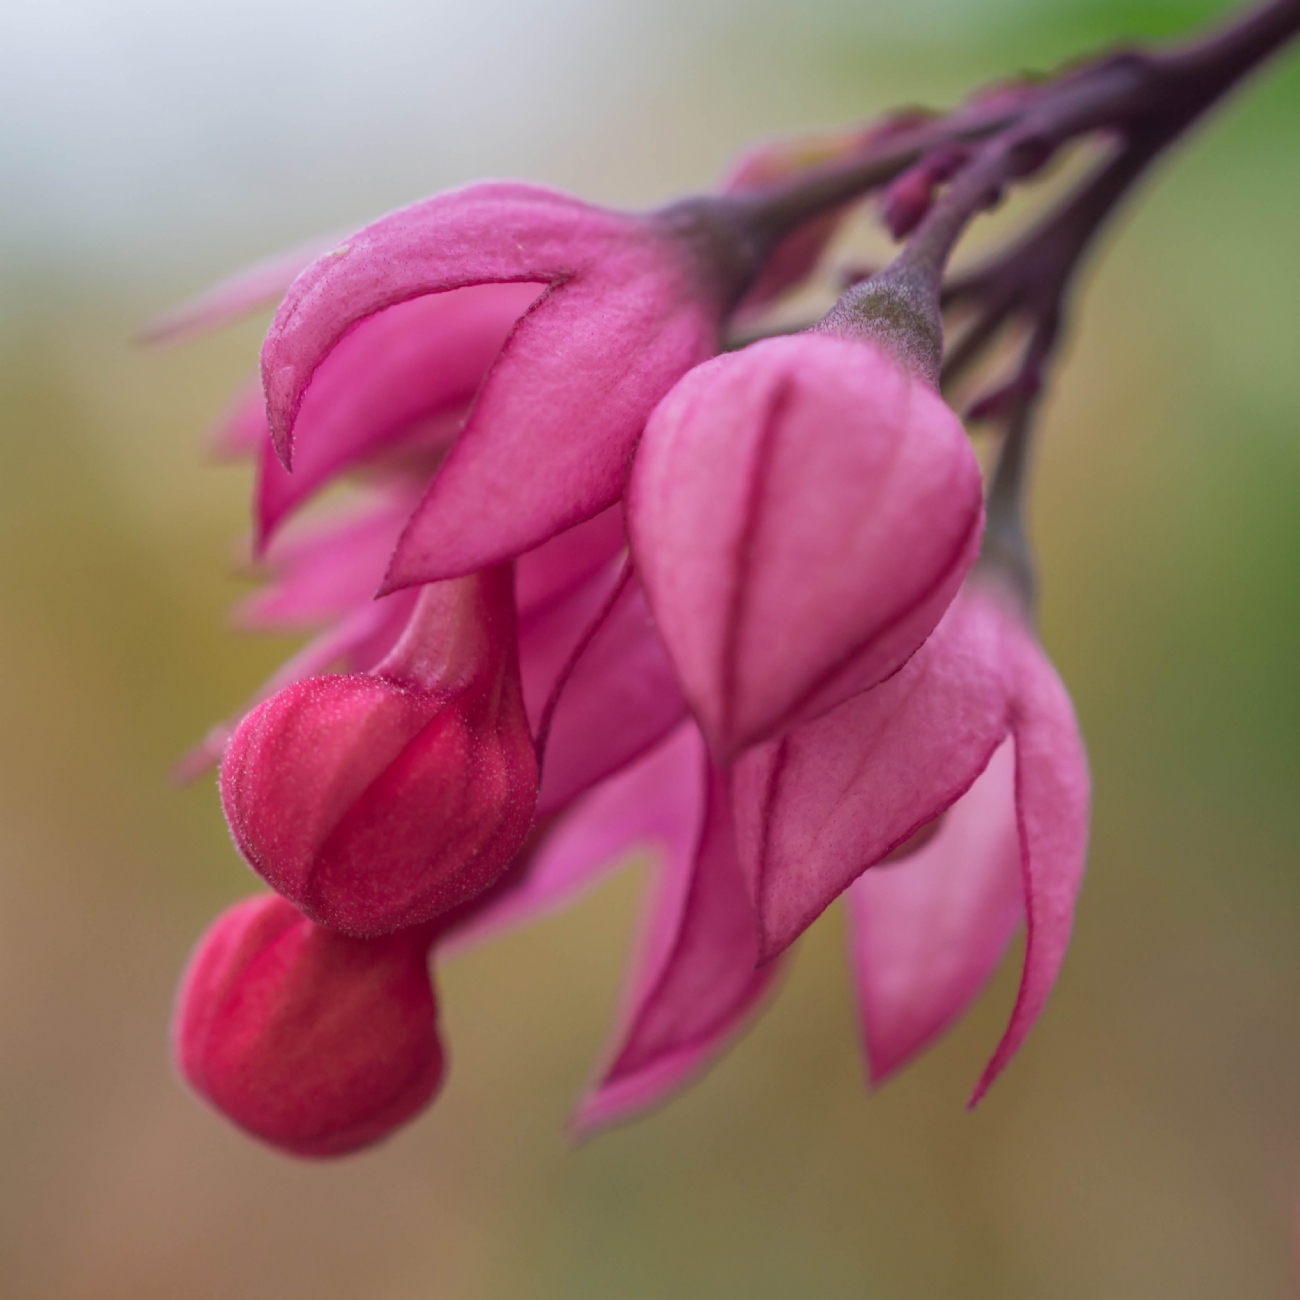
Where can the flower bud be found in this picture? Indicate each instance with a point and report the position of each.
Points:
(379, 800)
(315, 1042)
(801, 513)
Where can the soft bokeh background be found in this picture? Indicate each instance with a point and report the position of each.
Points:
(1146, 1143)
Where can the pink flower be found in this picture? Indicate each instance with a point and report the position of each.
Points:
(405, 380)
(314, 1042)
(977, 730)
(801, 513)
(513, 717)
(380, 800)
(624, 305)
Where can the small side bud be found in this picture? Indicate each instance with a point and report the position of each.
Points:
(374, 801)
(908, 198)
(314, 1042)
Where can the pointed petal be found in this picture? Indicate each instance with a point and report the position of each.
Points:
(927, 933)
(695, 980)
(385, 381)
(489, 233)
(836, 796)
(1052, 805)
(804, 455)
(654, 803)
(551, 636)
(256, 286)
(551, 435)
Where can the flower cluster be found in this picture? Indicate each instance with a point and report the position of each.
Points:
(604, 584)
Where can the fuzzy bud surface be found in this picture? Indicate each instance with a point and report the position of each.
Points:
(379, 800)
(316, 1043)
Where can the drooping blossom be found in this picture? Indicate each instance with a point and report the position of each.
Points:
(380, 800)
(801, 513)
(317, 1043)
(624, 306)
(978, 731)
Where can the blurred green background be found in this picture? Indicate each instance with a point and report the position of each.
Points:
(1147, 1141)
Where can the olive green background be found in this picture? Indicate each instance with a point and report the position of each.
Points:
(1145, 1144)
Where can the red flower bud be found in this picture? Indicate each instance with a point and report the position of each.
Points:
(315, 1042)
(375, 801)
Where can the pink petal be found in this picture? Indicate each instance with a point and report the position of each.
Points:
(547, 443)
(801, 513)
(613, 698)
(489, 233)
(927, 932)
(550, 636)
(816, 809)
(551, 435)
(246, 291)
(654, 803)
(1052, 805)
(385, 380)
(696, 977)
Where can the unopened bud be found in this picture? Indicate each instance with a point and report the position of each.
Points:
(312, 1041)
(375, 801)
(801, 514)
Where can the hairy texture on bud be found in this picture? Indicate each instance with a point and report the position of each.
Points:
(314, 1042)
(380, 800)
(801, 514)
